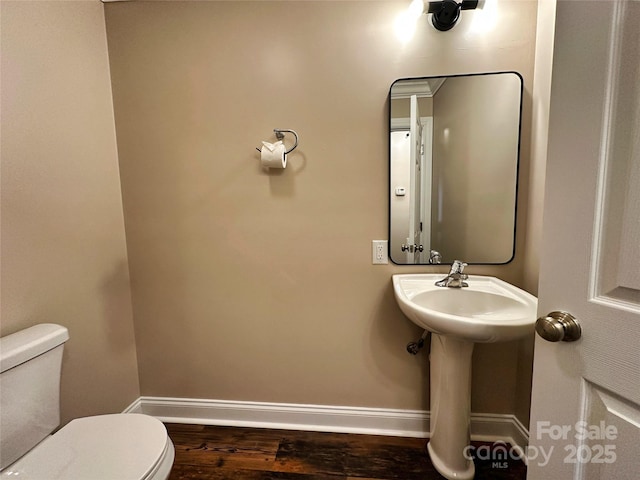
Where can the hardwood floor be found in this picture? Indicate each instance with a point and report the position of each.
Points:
(229, 453)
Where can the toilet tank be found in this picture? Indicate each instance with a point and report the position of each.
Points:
(30, 364)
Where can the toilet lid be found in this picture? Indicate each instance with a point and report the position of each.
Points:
(105, 447)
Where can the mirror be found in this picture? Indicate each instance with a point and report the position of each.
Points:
(454, 152)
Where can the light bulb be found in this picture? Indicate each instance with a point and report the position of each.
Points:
(416, 8)
(405, 26)
(486, 18)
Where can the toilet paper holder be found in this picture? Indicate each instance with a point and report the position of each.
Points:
(280, 136)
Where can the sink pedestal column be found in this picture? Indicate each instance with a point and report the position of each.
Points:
(450, 360)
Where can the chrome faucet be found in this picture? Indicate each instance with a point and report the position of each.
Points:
(455, 279)
(434, 257)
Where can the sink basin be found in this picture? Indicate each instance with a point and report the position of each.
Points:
(488, 310)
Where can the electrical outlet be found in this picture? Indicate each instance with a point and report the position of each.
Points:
(379, 252)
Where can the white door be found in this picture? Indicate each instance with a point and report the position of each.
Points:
(426, 190)
(415, 224)
(585, 414)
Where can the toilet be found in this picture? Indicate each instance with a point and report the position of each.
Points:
(124, 446)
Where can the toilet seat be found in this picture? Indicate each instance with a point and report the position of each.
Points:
(104, 447)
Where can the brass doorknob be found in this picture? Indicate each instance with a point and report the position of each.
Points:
(558, 326)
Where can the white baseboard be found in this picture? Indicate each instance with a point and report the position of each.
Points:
(289, 416)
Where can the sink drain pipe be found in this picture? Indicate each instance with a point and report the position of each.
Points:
(414, 347)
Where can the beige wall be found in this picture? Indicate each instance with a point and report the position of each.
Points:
(257, 285)
(64, 256)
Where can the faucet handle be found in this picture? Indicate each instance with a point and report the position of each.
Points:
(458, 266)
(435, 257)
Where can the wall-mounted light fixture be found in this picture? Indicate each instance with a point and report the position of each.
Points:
(445, 13)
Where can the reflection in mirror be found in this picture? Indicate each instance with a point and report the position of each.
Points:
(454, 148)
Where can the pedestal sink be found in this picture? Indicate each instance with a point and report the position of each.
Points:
(488, 310)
